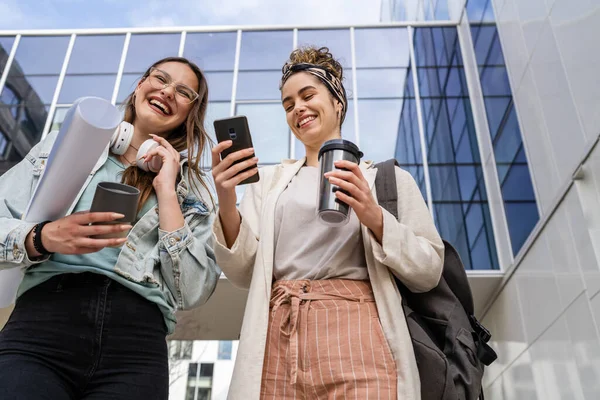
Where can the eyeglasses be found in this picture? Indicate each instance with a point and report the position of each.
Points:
(161, 80)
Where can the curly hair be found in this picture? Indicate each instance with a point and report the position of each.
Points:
(318, 56)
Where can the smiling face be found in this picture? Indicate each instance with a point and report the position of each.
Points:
(161, 109)
(312, 113)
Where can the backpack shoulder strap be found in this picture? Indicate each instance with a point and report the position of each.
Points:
(385, 186)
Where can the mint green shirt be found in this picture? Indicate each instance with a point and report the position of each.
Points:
(103, 261)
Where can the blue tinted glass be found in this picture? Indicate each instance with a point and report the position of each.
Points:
(444, 183)
(128, 84)
(517, 185)
(265, 50)
(409, 89)
(337, 40)
(76, 86)
(380, 82)
(408, 144)
(378, 121)
(442, 52)
(508, 142)
(521, 156)
(37, 55)
(521, 218)
(6, 43)
(482, 38)
(214, 111)
(269, 129)
(496, 108)
(468, 181)
(35, 90)
(496, 57)
(96, 54)
(219, 85)
(467, 149)
(474, 222)
(211, 51)
(494, 81)
(386, 47)
(144, 50)
(429, 82)
(440, 149)
(456, 84)
(476, 9)
(259, 85)
(441, 10)
(480, 253)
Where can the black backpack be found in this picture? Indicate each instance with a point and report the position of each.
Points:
(450, 345)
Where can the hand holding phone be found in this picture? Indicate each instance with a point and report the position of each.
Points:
(236, 129)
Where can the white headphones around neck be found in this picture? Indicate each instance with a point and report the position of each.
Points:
(120, 141)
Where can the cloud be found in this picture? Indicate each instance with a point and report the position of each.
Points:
(257, 12)
(65, 14)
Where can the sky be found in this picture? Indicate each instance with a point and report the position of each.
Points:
(75, 14)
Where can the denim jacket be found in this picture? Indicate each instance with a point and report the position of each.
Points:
(182, 263)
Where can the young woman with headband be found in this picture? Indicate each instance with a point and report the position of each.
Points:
(324, 317)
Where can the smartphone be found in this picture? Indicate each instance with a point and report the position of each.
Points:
(236, 129)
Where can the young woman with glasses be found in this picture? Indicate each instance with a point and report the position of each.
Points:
(92, 314)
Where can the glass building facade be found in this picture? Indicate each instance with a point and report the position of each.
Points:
(409, 99)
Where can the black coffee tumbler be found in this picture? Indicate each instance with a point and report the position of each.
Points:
(332, 211)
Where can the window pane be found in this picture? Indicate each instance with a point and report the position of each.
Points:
(206, 370)
(454, 166)
(495, 108)
(128, 84)
(192, 370)
(511, 163)
(258, 85)
(381, 47)
(144, 50)
(6, 43)
(211, 51)
(224, 350)
(76, 86)
(96, 54)
(381, 82)
(40, 55)
(265, 50)
(269, 131)
(219, 85)
(337, 40)
(521, 218)
(378, 121)
(494, 81)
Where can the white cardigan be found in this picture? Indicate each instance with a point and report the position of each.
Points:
(412, 250)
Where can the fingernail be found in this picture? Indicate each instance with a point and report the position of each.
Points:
(118, 216)
(125, 227)
(251, 149)
(152, 134)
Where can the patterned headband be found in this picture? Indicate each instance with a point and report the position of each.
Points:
(331, 81)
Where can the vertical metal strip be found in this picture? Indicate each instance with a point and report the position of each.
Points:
(486, 151)
(236, 70)
(9, 61)
(413, 62)
(121, 67)
(182, 44)
(354, 86)
(61, 79)
(292, 137)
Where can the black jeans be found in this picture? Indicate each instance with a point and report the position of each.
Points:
(83, 336)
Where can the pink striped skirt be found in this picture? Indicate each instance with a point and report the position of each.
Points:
(325, 342)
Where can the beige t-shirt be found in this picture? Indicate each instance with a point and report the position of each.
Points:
(307, 249)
